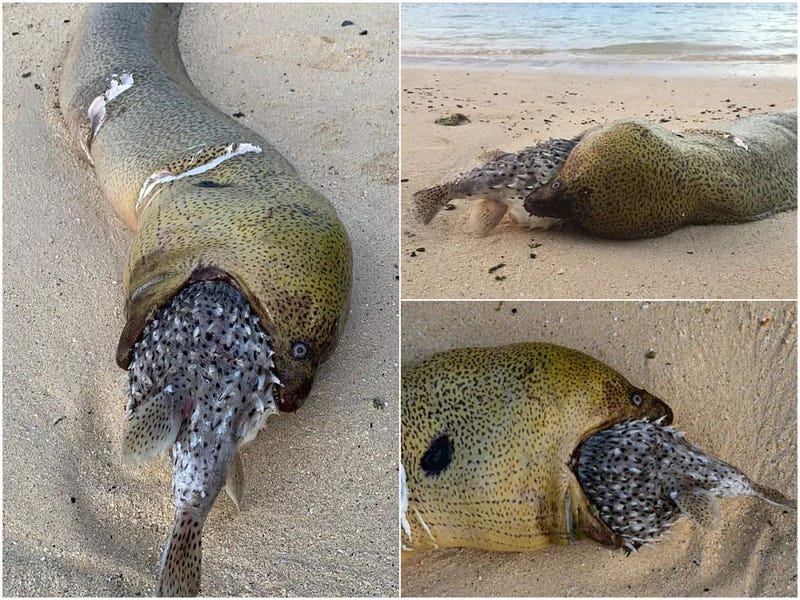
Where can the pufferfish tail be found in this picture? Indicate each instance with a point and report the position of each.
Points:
(428, 202)
(182, 558)
(773, 496)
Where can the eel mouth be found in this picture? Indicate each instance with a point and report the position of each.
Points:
(137, 320)
(550, 202)
(661, 413)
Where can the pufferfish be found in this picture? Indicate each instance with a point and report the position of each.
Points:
(643, 476)
(501, 184)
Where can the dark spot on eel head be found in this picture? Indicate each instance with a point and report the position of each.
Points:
(438, 456)
(212, 184)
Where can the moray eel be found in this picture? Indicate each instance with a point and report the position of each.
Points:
(634, 179)
(488, 435)
(512, 448)
(211, 202)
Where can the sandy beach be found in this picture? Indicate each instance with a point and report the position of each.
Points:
(510, 110)
(728, 370)
(320, 507)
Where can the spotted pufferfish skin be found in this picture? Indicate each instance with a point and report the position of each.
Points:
(500, 186)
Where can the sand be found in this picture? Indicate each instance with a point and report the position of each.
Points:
(510, 110)
(320, 507)
(728, 370)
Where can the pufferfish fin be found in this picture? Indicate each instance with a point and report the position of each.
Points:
(234, 484)
(151, 426)
(485, 215)
(697, 503)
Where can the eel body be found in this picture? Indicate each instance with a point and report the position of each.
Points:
(238, 283)
(512, 448)
(634, 179)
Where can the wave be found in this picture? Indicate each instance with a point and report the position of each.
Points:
(637, 52)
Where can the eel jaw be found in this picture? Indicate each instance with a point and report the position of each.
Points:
(295, 387)
(595, 528)
(551, 200)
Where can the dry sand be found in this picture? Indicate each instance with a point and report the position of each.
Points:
(728, 370)
(511, 110)
(320, 508)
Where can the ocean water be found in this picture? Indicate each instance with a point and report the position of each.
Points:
(694, 38)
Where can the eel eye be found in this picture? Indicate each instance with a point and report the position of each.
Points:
(299, 350)
(556, 184)
(636, 400)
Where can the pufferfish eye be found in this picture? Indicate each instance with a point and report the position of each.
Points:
(299, 350)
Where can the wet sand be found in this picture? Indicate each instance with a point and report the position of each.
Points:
(320, 507)
(510, 110)
(728, 370)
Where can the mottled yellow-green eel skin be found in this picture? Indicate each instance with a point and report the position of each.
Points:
(634, 179)
(489, 436)
(250, 220)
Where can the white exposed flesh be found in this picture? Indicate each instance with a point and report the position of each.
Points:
(740, 143)
(404, 504)
(165, 177)
(97, 109)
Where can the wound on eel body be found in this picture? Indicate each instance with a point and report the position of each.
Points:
(97, 109)
(404, 504)
(208, 159)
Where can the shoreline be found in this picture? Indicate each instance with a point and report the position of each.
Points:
(600, 66)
